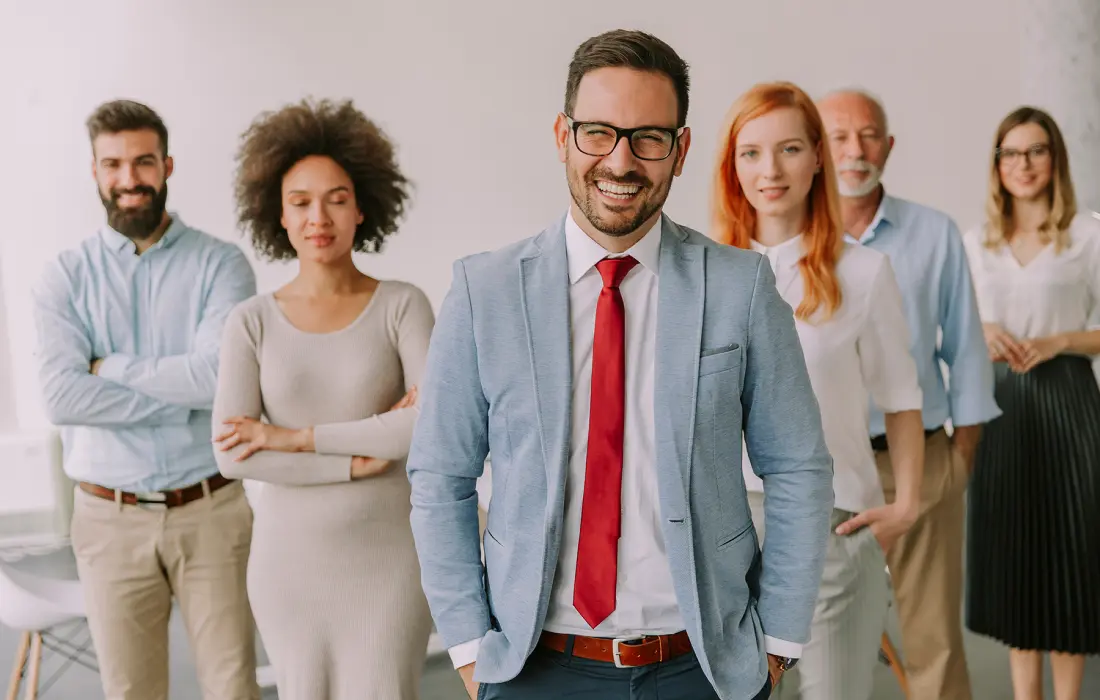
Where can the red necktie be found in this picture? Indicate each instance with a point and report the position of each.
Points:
(601, 507)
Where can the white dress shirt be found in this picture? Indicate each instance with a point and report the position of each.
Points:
(1053, 293)
(645, 600)
(861, 351)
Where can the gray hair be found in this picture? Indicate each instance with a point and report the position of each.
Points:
(876, 102)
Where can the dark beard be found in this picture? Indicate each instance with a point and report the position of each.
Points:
(141, 223)
(585, 200)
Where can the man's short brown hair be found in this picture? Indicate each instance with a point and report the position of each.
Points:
(623, 48)
(126, 115)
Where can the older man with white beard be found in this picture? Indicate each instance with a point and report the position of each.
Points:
(926, 250)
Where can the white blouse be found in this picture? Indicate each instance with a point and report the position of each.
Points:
(1054, 293)
(860, 354)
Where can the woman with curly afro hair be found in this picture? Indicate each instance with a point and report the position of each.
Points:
(317, 398)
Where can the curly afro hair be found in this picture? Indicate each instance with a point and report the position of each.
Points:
(277, 140)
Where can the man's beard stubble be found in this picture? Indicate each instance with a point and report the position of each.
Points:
(140, 223)
(581, 190)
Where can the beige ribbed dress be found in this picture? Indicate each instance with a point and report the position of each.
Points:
(333, 576)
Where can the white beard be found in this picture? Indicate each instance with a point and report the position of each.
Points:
(874, 177)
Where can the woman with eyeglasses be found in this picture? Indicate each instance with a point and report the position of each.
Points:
(1034, 513)
(776, 193)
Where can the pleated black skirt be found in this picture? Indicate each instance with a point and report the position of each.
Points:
(1033, 558)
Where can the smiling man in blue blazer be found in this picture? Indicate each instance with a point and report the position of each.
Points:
(611, 365)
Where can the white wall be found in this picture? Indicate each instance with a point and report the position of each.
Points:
(438, 75)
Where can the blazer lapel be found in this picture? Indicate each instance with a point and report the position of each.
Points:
(545, 300)
(680, 298)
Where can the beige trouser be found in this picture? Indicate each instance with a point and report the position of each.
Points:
(838, 663)
(132, 560)
(926, 566)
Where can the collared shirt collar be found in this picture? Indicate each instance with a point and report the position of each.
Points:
(583, 252)
(783, 256)
(887, 213)
(119, 243)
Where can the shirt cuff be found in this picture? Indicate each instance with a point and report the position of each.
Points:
(779, 647)
(902, 401)
(967, 411)
(464, 654)
(113, 367)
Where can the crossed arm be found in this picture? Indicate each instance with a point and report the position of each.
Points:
(328, 453)
(124, 390)
(189, 379)
(72, 394)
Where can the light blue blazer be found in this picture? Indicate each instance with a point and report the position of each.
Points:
(728, 359)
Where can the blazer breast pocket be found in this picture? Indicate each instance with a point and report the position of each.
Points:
(720, 360)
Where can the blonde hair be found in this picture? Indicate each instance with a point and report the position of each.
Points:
(1062, 200)
(735, 219)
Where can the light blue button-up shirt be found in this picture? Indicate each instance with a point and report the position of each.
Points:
(144, 422)
(926, 251)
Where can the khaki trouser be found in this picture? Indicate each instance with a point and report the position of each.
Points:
(926, 566)
(132, 560)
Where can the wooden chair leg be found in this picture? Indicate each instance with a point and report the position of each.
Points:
(17, 668)
(34, 667)
(895, 663)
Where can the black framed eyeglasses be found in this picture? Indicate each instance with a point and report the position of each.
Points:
(1036, 153)
(646, 142)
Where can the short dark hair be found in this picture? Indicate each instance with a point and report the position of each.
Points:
(277, 140)
(623, 48)
(126, 115)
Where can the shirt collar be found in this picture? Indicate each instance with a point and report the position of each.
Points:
(785, 255)
(120, 243)
(583, 253)
(887, 213)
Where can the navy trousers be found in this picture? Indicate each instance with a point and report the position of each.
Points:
(551, 675)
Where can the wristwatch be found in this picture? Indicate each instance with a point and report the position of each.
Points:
(786, 663)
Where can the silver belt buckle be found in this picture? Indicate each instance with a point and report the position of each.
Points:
(152, 500)
(615, 648)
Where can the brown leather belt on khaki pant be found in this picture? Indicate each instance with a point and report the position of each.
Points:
(168, 499)
(623, 652)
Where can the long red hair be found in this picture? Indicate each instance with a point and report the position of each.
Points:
(734, 219)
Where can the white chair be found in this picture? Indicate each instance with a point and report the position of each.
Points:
(36, 503)
(40, 595)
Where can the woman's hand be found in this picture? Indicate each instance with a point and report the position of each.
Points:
(407, 400)
(366, 467)
(1038, 350)
(1003, 347)
(256, 436)
(888, 523)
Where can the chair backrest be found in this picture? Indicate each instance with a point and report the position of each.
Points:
(36, 497)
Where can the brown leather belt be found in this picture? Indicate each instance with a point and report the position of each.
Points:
(624, 653)
(167, 499)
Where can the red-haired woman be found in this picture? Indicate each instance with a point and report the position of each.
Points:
(776, 193)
